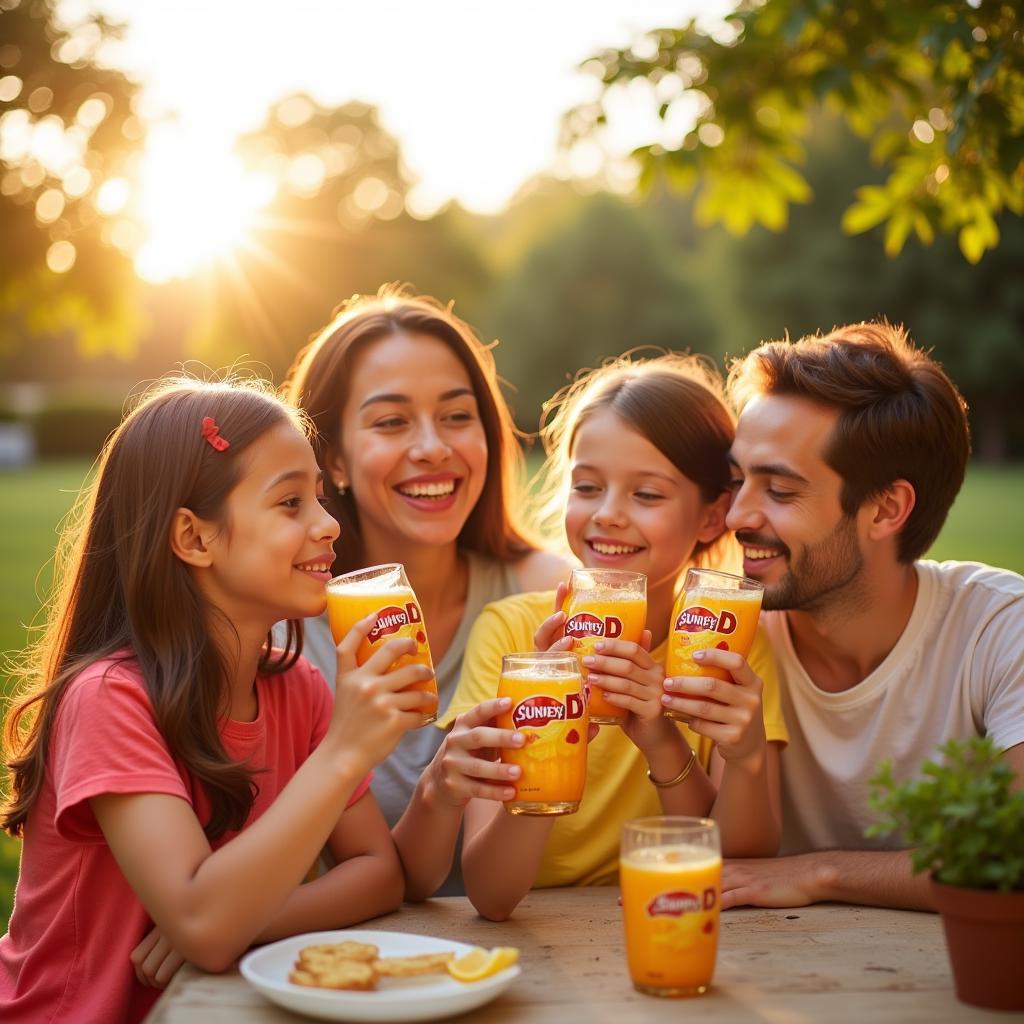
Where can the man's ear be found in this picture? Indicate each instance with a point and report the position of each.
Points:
(712, 524)
(890, 510)
(190, 537)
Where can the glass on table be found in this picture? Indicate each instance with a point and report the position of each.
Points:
(670, 872)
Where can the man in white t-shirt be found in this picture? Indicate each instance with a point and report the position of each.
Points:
(849, 452)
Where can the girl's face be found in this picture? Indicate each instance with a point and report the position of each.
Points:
(271, 557)
(629, 507)
(413, 448)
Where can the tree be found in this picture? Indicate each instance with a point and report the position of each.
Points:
(936, 85)
(67, 130)
(337, 226)
(606, 281)
(815, 277)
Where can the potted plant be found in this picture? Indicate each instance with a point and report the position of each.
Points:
(966, 828)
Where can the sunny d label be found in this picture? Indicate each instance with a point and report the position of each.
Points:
(586, 624)
(680, 902)
(696, 618)
(392, 618)
(540, 709)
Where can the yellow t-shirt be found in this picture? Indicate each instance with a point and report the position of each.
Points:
(583, 848)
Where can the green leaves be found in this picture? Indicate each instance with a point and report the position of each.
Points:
(873, 205)
(965, 824)
(938, 88)
(979, 233)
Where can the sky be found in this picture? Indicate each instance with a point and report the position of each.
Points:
(472, 89)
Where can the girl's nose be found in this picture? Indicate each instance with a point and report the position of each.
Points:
(327, 528)
(610, 513)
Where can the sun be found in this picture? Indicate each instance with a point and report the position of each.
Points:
(197, 201)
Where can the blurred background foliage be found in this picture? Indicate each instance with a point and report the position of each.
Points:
(570, 273)
(566, 275)
(69, 135)
(937, 87)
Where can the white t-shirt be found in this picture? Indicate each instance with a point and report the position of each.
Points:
(957, 671)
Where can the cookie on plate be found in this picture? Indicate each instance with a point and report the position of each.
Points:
(412, 966)
(345, 975)
(362, 952)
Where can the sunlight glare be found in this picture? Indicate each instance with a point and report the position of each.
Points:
(197, 202)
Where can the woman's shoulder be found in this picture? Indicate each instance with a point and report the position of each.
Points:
(541, 570)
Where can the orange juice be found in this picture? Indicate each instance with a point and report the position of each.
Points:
(670, 907)
(550, 710)
(386, 591)
(725, 619)
(714, 610)
(604, 604)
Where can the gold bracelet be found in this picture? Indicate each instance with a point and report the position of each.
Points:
(679, 778)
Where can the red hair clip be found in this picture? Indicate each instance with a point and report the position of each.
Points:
(212, 434)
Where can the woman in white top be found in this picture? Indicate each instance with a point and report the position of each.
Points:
(421, 466)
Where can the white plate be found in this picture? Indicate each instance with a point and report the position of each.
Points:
(425, 998)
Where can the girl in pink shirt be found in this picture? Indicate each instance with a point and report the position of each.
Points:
(173, 778)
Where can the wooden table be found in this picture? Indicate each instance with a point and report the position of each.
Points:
(823, 963)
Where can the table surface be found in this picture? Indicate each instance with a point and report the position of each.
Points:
(822, 963)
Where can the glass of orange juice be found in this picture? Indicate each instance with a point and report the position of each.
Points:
(383, 589)
(604, 604)
(550, 710)
(714, 609)
(670, 871)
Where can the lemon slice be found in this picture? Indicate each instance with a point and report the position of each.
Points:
(481, 963)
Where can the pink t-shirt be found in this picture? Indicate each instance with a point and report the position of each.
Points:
(75, 917)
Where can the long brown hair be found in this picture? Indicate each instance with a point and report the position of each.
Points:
(121, 593)
(674, 400)
(900, 416)
(318, 383)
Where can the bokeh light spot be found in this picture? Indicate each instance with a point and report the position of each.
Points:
(49, 206)
(923, 132)
(710, 134)
(370, 194)
(77, 182)
(10, 88)
(60, 257)
(294, 111)
(306, 174)
(112, 196)
(40, 99)
(91, 112)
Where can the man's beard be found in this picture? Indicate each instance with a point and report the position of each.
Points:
(823, 574)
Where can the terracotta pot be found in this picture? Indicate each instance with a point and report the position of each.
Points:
(985, 937)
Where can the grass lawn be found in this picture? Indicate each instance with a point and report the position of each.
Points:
(984, 526)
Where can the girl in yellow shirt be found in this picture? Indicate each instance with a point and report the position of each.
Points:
(638, 454)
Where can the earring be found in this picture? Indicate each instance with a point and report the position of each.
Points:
(340, 486)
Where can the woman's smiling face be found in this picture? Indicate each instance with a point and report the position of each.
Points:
(413, 448)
